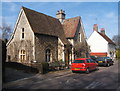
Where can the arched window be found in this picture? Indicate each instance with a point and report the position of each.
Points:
(47, 55)
(22, 55)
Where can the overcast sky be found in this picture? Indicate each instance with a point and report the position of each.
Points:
(105, 14)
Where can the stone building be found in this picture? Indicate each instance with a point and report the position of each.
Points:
(41, 38)
(75, 34)
(35, 38)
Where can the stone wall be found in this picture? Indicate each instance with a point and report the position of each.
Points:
(61, 51)
(13, 51)
(17, 43)
(43, 42)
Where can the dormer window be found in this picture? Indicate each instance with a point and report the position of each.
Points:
(23, 33)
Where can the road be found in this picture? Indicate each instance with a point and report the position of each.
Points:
(104, 78)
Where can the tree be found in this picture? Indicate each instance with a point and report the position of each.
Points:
(6, 31)
(80, 49)
(116, 40)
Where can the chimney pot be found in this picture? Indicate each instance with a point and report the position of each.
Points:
(103, 31)
(60, 15)
(95, 27)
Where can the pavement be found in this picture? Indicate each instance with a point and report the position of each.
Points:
(14, 74)
(105, 78)
(37, 77)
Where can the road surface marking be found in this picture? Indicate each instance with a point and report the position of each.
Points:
(63, 76)
(52, 78)
(93, 85)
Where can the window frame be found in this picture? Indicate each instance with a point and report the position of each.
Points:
(22, 55)
(23, 33)
(47, 55)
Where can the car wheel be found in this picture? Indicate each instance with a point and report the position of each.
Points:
(105, 64)
(112, 63)
(97, 68)
(73, 71)
(87, 71)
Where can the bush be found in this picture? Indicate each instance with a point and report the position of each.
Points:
(118, 53)
(54, 64)
(43, 67)
(57, 65)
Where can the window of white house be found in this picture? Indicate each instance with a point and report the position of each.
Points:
(23, 33)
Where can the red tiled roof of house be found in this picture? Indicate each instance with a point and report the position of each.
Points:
(70, 26)
(107, 38)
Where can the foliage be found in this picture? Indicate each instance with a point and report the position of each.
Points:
(57, 65)
(81, 47)
(116, 40)
(6, 31)
(61, 62)
(118, 53)
(44, 67)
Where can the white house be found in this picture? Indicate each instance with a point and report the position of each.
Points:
(100, 44)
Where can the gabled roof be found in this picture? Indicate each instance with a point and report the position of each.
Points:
(44, 24)
(107, 38)
(70, 26)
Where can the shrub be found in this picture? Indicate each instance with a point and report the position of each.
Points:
(118, 54)
(43, 67)
(57, 65)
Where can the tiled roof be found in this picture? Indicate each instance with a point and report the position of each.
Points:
(70, 26)
(44, 24)
(107, 38)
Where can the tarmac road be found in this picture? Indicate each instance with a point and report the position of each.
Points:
(104, 78)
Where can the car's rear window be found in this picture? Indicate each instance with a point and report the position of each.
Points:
(78, 61)
(100, 59)
(107, 57)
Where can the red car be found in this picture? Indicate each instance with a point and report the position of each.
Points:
(84, 64)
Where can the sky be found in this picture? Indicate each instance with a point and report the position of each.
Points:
(105, 14)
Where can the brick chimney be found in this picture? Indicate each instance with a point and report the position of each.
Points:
(60, 15)
(103, 31)
(95, 27)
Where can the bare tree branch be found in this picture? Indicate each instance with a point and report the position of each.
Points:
(116, 40)
(6, 31)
